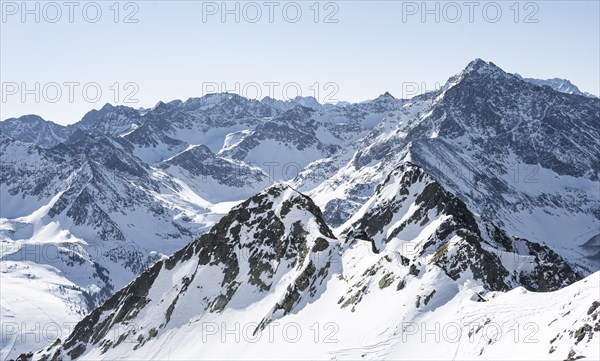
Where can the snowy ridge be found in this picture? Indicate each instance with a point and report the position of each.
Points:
(295, 272)
(560, 85)
(413, 215)
(269, 249)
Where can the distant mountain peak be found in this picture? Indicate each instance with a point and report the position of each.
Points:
(558, 84)
(32, 128)
(107, 107)
(386, 96)
(32, 118)
(159, 105)
(482, 67)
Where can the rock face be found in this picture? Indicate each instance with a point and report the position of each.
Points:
(274, 245)
(486, 187)
(415, 215)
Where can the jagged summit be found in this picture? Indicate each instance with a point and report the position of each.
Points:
(482, 66)
(159, 105)
(107, 107)
(385, 96)
(480, 69)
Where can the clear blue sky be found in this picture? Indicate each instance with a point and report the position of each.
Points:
(374, 46)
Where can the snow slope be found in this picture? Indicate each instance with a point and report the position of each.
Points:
(270, 281)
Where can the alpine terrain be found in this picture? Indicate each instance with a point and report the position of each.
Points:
(462, 223)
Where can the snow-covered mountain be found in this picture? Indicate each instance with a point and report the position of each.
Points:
(560, 85)
(111, 120)
(504, 146)
(485, 190)
(273, 262)
(34, 129)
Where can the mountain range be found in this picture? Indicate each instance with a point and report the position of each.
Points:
(209, 228)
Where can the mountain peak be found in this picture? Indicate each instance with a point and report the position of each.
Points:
(30, 118)
(34, 129)
(159, 105)
(107, 107)
(558, 84)
(476, 70)
(309, 102)
(386, 96)
(482, 67)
